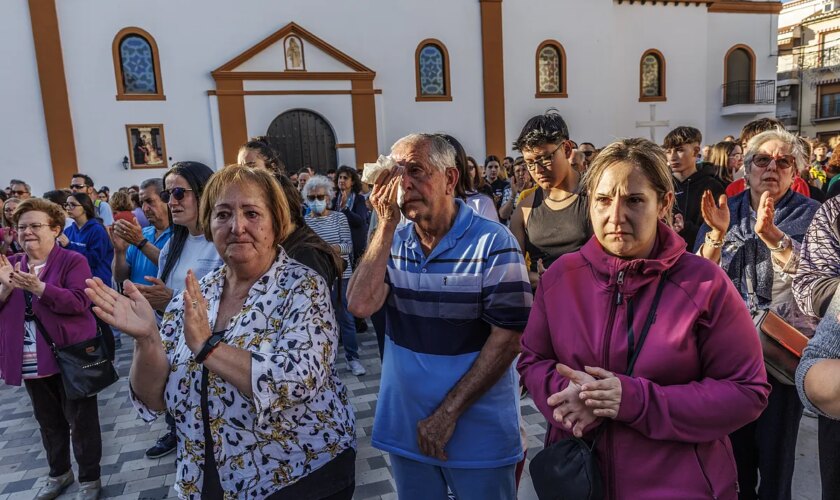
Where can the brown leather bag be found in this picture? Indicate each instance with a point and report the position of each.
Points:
(781, 344)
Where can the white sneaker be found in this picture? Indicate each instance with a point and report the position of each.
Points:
(356, 368)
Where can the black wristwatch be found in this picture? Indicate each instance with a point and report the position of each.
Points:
(208, 347)
(142, 244)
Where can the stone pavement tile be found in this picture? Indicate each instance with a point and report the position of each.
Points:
(128, 475)
(157, 493)
(145, 484)
(37, 473)
(373, 490)
(21, 485)
(112, 490)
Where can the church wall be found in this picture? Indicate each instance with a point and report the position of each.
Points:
(23, 132)
(726, 30)
(194, 41)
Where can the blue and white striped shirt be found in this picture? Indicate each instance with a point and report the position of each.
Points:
(440, 311)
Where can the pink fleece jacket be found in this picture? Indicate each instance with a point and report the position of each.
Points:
(700, 374)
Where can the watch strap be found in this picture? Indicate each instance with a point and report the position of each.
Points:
(208, 347)
(142, 243)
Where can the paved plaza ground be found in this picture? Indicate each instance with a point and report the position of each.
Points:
(127, 474)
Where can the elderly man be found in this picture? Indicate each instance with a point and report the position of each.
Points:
(457, 297)
(136, 250)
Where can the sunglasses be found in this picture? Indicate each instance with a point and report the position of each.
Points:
(319, 197)
(177, 193)
(77, 186)
(782, 161)
(17, 192)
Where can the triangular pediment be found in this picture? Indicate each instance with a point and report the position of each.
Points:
(292, 50)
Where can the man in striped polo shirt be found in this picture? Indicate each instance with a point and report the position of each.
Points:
(457, 297)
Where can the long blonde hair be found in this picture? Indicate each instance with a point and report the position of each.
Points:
(719, 157)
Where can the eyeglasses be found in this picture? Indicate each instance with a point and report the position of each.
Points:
(77, 186)
(35, 226)
(319, 197)
(782, 161)
(17, 192)
(71, 206)
(177, 193)
(543, 161)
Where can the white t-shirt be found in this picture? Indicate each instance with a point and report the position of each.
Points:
(198, 254)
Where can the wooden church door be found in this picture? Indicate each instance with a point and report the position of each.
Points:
(304, 139)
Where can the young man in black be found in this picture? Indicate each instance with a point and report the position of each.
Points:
(682, 145)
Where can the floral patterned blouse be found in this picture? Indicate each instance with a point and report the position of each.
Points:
(299, 417)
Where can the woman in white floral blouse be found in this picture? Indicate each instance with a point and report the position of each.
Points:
(244, 359)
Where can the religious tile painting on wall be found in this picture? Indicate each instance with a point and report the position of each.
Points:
(293, 50)
(138, 68)
(431, 71)
(650, 76)
(549, 70)
(146, 146)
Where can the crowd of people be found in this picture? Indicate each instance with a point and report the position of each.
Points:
(616, 286)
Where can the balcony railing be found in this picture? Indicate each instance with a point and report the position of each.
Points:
(749, 92)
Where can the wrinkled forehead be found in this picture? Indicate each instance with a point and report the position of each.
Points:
(622, 178)
(775, 148)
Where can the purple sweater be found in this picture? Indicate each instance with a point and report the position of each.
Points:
(63, 309)
(699, 376)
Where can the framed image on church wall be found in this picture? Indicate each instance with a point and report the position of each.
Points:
(146, 146)
(293, 51)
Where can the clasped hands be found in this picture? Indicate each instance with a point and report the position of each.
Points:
(133, 314)
(591, 394)
(717, 217)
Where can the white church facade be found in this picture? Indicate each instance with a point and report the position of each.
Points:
(120, 90)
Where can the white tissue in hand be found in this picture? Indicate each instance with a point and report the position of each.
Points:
(371, 171)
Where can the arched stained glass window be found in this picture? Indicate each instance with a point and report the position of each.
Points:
(137, 66)
(652, 76)
(431, 71)
(550, 70)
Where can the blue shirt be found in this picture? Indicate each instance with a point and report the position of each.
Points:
(440, 310)
(140, 265)
(92, 241)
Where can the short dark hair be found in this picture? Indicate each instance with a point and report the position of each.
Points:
(756, 127)
(588, 144)
(682, 135)
(547, 128)
(56, 196)
(87, 179)
(264, 146)
(509, 158)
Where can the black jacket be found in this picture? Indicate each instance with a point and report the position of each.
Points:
(689, 194)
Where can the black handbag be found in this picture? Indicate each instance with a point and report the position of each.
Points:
(568, 469)
(85, 367)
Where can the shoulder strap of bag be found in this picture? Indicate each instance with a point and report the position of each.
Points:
(633, 351)
(38, 326)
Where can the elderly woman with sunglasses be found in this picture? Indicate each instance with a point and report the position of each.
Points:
(756, 237)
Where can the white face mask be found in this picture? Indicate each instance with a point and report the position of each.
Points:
(317, 206)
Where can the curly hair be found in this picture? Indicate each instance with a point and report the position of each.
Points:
(547, 128)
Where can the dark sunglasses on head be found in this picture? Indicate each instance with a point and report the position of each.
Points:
(782, 161)
(77, 186)
(177, 193)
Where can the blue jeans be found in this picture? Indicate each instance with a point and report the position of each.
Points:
(418, 481)
(345, 321)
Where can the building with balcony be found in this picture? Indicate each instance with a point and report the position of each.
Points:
(808, 76)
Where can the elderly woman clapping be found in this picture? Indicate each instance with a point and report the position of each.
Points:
(756, 237)
(244, 359)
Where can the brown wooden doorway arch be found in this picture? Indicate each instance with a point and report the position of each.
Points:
(304, 139)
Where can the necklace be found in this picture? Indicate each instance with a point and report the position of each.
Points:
(561, 200)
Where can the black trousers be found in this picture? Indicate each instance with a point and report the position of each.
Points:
(829, 446)
(63, 420)
(766, 448)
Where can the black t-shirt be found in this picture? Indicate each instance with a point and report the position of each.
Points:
(552, 233)
(498, 188)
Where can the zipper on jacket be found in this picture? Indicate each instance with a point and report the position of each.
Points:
(703, 470)
(604, 364)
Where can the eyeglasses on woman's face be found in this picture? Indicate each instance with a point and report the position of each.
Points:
(71, 206)
(35, 227)
(782, 161)
(178, 193)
